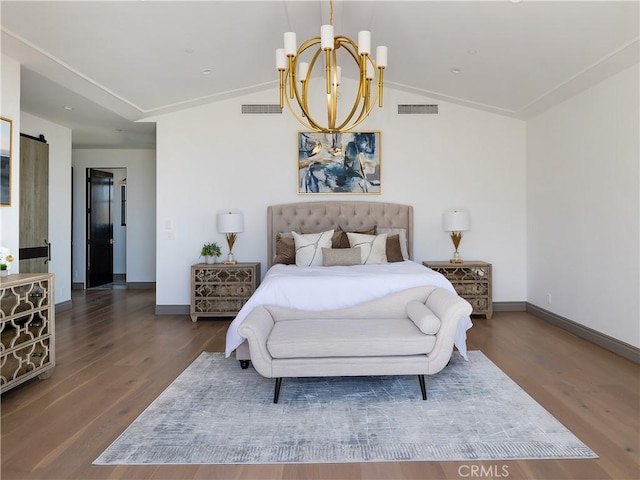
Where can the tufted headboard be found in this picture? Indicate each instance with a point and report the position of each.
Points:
(352, 216)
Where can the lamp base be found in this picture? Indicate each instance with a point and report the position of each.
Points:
(456, 258)
(230, 260)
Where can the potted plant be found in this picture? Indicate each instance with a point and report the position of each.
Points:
(5, 259)
(210, 251)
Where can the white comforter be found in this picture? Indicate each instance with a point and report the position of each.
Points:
(329, 288)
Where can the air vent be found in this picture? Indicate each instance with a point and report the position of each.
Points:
(417, 109)
(261, 109)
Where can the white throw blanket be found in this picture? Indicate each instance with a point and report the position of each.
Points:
(330, 288)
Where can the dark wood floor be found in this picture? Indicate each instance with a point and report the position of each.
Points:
(114, 357)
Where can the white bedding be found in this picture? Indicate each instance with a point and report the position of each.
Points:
(329, 288)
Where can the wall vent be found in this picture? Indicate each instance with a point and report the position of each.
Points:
(417, 109)
(259, 109)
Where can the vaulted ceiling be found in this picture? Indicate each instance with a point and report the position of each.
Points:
(118, 62)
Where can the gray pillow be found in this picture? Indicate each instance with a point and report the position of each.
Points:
(332, 257)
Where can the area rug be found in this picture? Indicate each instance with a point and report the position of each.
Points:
(217, 413)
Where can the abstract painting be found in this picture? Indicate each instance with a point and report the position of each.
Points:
(6, 127)
(347, 162)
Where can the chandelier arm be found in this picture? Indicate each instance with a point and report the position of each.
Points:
(282, 87)
(351, 48)
(309, 125)
(303, 102)
(380, 84)
(292, 72)
(364, 113)
(332, 98)
(295, 92)
(367, 105)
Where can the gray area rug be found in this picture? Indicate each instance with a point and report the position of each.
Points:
(215, 412)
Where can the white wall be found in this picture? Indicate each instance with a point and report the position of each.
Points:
(59, 140)
(10, 108)
(583, 208)
(141, 208)
(212, 159)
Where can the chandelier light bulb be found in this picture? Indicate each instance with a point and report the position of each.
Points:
(326, 37)
(290, 43)
(281, 59)
(364, 43)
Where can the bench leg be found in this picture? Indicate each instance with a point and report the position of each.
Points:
(423, 387)
(276, 393)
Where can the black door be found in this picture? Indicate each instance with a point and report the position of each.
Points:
(99, 228)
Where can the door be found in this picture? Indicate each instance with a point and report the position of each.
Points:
(99, 228)
(35, 249)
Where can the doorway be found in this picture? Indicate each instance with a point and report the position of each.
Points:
(99, 228)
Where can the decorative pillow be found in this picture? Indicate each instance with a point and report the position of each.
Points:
(423, 317)
(285, 250)
(394, 252)
(335, 239)
(309, 247)
(344, 240)
(403, 238)
(373, 247)
(332, 257)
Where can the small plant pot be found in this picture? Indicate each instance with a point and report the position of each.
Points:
(4, 273)
(210, 259)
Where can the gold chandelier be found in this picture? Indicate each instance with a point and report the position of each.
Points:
(293, 71)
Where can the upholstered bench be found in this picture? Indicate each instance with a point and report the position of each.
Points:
(407, 333)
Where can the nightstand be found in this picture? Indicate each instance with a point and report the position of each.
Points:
(472, 281)
(220, 290)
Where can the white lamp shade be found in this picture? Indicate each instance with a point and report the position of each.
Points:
(326, 37)
(381, 56)
(455, 221)
(230, 222)
(364, 42)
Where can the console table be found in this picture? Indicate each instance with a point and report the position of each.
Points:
(27, 328)
(220, 290)
(472, 281)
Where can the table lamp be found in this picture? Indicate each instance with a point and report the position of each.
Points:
(455, 222)
(231, 224)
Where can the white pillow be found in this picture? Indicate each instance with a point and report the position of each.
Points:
(309, 247)
(402, 233)
(373, 248)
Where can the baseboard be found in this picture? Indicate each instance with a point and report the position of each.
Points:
(141, 285)
(173, 309)
(509, 306)
(63, 306)
(77, 286)
(605, 341)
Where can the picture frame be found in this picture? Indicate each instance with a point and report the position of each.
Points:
(6, 149)
(343, 163)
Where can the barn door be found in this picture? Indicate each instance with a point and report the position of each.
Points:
(35, 249)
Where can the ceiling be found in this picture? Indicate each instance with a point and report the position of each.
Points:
(116, 63)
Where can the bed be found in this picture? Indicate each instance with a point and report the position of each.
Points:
(321, 288)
